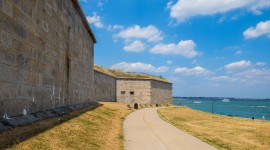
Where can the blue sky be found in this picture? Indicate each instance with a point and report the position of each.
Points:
(205, 47)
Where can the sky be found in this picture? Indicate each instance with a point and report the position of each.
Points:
(213, 48)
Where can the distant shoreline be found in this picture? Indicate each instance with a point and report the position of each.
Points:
(226, 115)
(220, 98)
(257, 109)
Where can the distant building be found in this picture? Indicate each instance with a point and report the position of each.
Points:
(124, 87)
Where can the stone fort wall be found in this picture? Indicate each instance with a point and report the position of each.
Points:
(161, 92)
(46, 56)
(105, 87)
(133, 91)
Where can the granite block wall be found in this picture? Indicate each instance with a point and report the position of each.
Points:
(161, 92)
(143, 91)
(46, 56)
(133, 91)
(105, 87)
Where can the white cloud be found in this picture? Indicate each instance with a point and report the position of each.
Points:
(100, 4)
(238, 65)
(184, 48)
(234, 47)
(261, 63)
(149, 33)
(115, 27)
(162, 69)
(198, 70)
(169, 5)
(169, 62)
(219, 58)
(136, 46)
(222, 19)
(96, 20)
(220, 78)
(261, 4)
(247, 77)
(138, 67)
(194, 62)
(185, 9)
(238, 52)
(262, 28)
(173, 79)
(255, 76)
(255, 72)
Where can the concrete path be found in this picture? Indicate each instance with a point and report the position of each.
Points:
(145, 130)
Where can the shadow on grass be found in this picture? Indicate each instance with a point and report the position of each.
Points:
(16, 135)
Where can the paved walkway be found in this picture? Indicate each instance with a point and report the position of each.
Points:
(145, 130)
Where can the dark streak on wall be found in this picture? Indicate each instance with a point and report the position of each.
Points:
(46, 56)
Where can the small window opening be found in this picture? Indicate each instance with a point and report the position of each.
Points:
(131, 92)
(123, 92)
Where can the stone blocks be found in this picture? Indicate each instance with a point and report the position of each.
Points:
(36, 40)
(143, 91)
(105, 87)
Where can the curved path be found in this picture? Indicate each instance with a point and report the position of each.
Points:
(145, 130)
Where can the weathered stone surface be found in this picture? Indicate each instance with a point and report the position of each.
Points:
(79, 106)
(17, 3)
(28, 119)
(46, 56)
(45, 114)
(62, 110)
(143, 91)
(105, 87)
(140, 88)
(8, 57)
(7, 7)
(20, 121)
(5, 38)
(161, 92)
(72, 107)
(4, 127)
(1, 3)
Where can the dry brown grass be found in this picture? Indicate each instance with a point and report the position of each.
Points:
(223, 132)
(100, 128)
(122, 74)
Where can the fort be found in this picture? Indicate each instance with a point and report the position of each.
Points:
(119, 86)
(47, 62)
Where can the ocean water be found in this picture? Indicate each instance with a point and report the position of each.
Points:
(259, 109)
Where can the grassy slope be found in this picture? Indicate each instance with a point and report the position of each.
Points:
(222, 132)
(122, 74)
(100, 128)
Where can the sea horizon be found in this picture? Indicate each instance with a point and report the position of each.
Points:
(243, 108)
(222, 97)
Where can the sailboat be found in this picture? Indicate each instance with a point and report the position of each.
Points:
(197, 101)
(225, 100)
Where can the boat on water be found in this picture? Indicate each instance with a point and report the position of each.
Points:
(197, 101)
(226, 100)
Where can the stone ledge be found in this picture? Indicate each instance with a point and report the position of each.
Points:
(4, 127)
(6, 124)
